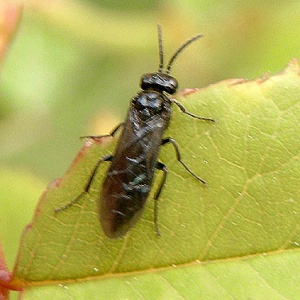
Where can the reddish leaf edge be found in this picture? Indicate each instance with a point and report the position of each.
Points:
(6, 276)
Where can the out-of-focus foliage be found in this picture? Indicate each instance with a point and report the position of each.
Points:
(74, 66)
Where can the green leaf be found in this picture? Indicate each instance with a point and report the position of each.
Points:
(236, 238)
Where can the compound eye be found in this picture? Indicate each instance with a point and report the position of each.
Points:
(146, 81)
(171, 86)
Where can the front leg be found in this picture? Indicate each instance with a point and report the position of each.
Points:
(183, 109)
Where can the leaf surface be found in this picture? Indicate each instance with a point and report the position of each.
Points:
(237, 237)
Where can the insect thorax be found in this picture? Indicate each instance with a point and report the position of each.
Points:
(150, 103)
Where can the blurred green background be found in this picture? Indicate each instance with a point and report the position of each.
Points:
(74, 66)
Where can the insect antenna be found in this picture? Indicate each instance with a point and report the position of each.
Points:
(161, 50)
(188, 42)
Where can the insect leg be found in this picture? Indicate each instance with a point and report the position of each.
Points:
(178, 155)
(183, 109)
(162, 167)
(112, 133)
(88, 184)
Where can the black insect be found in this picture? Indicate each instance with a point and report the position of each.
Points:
(129, 178)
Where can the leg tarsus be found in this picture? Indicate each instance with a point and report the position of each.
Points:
(74, 201)
(111, 134)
